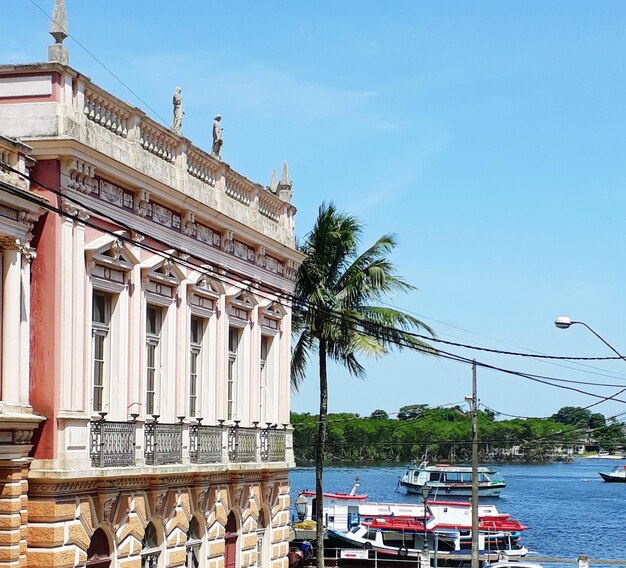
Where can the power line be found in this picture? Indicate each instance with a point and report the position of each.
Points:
(165, 122)
(374, 330)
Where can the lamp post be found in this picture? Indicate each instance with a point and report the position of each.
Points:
(563, 322)
(425, 492)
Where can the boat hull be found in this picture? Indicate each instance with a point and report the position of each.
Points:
(448, 491)
(612, 478)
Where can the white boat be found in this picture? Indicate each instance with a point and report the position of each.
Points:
(604, 455)
(617, 475)
(451, 481)
(409, 536)
(352, 521)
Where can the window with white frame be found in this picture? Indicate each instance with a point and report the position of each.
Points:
(234, 335)
(266, 345)
(196, 368)
(100, 348)
(154, 324)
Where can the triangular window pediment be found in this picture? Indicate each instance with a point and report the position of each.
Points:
(109, 262)
(241, 305)
(161, 277)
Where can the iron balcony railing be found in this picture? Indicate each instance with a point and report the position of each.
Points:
(163, 442)
(242, 444)
(272, 445)
(205, 443)
(112, 443)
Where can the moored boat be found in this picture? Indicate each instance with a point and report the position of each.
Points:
(451, 481)
(617, 475)
(408, 537)
(351, 521)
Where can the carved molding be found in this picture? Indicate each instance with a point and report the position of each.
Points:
(80, 174)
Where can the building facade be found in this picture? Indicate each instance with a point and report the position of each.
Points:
(156, 320)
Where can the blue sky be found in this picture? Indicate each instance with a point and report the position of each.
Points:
(489, 136)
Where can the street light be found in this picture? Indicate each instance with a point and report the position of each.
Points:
(563, 322)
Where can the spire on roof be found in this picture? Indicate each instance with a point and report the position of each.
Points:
(58, 30)
(285, 187)
(274, 182)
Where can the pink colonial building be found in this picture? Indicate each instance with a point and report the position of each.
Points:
(156, 306)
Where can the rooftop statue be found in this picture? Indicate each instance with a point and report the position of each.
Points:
(217, 136)
(177, 120)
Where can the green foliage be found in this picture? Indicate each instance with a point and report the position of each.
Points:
(442, 434)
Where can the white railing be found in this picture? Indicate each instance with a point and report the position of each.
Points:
(239, 188)
(202, 167)
(157, 141)
(106, 113)
(269, 207)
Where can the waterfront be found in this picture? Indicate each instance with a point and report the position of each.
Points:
(569, 510)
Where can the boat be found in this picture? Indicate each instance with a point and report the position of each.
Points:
(604, 455)
(352, 521)
(451, 481)
(617, 475)
(408, 537)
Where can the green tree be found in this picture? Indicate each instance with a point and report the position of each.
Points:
(411, 411)
(379, 415)
(335, 314)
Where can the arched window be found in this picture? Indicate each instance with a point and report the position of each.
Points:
(150, 550)
(98, 554)
(230, 554)
(194, 544)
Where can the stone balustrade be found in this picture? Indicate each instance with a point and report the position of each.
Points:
(106, 113)
(157, 140)
(156, 151)
(14, 154)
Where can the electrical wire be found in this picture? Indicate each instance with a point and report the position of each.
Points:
(97, 60)
(374, 330)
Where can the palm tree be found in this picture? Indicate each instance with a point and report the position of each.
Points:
(335, 315)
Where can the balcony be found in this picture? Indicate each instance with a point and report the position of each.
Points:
(113, 443)
(205, 443)
(164, 443)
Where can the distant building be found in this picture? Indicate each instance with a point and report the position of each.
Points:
(159, 338)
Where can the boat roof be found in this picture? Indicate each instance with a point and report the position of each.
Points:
(338, 496)
(450, 468)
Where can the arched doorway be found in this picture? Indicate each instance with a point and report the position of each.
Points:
(150, 548)
(230, 553)
(194, 544)
(99, 553)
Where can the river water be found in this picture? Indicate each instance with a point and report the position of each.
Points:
(568, 508)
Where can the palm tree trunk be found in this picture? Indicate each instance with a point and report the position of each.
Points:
(319, 456)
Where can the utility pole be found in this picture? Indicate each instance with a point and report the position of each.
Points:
(474, 406)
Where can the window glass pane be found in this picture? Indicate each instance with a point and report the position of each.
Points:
(100, 305)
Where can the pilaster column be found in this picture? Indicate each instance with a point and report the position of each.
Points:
(11, 301)
(28, 254)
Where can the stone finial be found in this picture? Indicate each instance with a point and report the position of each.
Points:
(274, 182)
(58, 30)
(284, 189)
(284, 180)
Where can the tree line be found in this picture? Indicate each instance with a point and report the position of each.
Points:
(444, 434)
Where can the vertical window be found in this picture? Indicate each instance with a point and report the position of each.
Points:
(195, 364)
(154, 321)
(100, 330)
(266, 342)
(231, 387)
